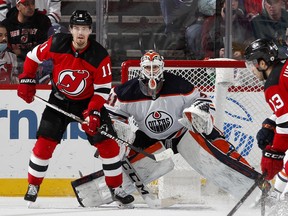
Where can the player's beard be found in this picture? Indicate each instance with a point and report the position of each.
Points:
(80, 43)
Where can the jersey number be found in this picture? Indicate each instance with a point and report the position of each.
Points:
(105, 68)
(276, 102)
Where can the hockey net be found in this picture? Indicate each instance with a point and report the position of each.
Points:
(238, 97)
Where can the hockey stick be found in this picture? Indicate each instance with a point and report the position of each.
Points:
(143, 190)
(157, 156)
(263, 185)
(262, 203)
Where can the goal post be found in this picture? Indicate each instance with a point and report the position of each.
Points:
(237, 94)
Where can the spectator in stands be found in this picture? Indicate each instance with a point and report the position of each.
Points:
(237, 51)
(206, 8)
(177, 14)
(183, 24)
(51, 8)
(285, 4)
(272, 23)
(252, 8)
(8, 60)
(213, 38)
(26, 28)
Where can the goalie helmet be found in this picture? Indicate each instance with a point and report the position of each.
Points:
(260, 49)
(151, 76)
(81, 17)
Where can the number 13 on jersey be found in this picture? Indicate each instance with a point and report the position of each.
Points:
(276, 102)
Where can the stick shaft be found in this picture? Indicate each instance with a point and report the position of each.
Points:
(263, 184)
(246, 195)
(160, 156)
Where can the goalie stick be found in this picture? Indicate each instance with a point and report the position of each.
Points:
(143, 190)
(157, 157)
(262, 184)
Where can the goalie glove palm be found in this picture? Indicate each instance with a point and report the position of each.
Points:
(198, 118)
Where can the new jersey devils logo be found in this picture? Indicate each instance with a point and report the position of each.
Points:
(72, 82)
(158, 121)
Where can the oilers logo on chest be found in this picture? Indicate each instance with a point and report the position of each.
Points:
(158, 121)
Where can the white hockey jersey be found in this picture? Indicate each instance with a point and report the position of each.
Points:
(156, 118)
(51, 8)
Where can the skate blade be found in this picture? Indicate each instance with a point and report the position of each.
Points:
(31, 204)
(125, 206)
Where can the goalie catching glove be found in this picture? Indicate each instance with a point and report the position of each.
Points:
(26, 88)
(197, 118)
(92, 122)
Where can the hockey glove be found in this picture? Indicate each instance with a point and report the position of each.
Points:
(198, 118)
(92, 122)
(272, 162)
(265, 135)
(26, 88)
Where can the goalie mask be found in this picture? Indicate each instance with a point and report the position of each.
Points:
(260, 49)
(151, 76)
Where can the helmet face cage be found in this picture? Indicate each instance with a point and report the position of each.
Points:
(81, 17)
(151, 74)
(151, 66)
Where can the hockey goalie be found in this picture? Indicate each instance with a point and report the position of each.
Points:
(169, 113)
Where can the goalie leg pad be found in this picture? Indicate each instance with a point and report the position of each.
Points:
(224, 146)
(148, 170)
(91, 190)
(200, 157)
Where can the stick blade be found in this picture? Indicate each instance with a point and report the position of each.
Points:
(168, 153)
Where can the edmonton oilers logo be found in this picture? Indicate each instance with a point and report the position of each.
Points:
(158, 122)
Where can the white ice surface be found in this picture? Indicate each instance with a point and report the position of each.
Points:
(214, 206)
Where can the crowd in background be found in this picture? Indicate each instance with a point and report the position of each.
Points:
(197, 27)
(204, 37)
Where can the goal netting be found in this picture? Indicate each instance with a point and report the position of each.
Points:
(240, 108)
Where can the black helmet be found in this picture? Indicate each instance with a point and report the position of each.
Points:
(81, 17)
(261, 49)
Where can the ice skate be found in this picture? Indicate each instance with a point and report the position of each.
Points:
(270, 200)
(32, 193)
(123, 199)
(280, 207)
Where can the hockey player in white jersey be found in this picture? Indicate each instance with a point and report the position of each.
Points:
(170, 110)
(157, 100)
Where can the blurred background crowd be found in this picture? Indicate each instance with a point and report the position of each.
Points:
(177, 29)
